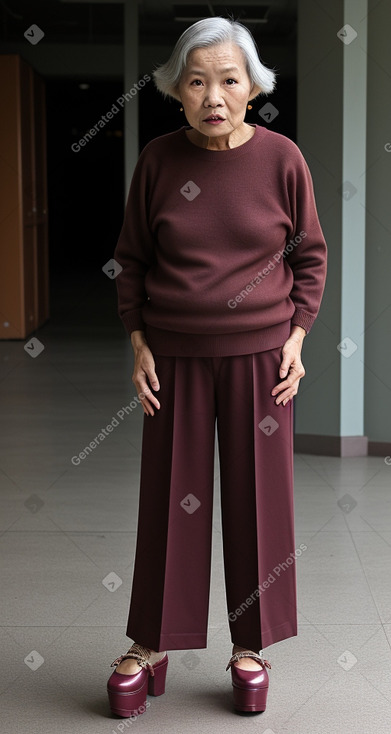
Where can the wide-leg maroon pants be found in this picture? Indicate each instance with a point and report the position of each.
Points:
(171, 581)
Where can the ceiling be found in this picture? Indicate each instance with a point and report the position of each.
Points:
(160, 21)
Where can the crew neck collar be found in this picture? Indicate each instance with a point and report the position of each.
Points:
(229, 153)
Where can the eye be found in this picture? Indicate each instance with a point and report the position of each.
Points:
(230, 80)
(196, 82)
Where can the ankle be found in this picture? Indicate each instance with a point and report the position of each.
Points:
(143, 649)
(147, 650)
(155, 653)
(238, 648)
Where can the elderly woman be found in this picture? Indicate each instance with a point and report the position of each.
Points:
(223, 269)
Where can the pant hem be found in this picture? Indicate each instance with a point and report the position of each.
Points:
(177, 641)
(277, 634)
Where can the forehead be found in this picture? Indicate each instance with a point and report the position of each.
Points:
(218, 56)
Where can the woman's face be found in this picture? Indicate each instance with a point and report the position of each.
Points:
(215, 82)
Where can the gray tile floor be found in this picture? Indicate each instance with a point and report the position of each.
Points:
(67, 543)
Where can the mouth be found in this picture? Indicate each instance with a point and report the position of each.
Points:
(214, 118)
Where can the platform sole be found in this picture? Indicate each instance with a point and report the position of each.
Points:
(134, 703)
(250, 699)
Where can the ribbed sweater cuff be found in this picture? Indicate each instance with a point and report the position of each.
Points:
(133, 321)
(304, 319)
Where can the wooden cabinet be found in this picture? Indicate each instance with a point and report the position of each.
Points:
(24, 259)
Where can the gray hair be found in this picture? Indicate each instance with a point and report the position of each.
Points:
(209, 32)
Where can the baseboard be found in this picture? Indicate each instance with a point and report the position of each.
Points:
(379, 448)
(333, 445)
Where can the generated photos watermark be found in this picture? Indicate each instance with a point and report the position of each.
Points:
(125, 723)
(261, 275)
(104, 432)
(272, 577)
(104, 119)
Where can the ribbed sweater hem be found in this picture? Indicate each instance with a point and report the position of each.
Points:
(177, 344)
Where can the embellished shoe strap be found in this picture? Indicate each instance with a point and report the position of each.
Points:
(248, 654)
(139, 653)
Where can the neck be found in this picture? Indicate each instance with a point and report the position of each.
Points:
(231, 140)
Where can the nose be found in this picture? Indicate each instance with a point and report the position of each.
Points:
(212, 97)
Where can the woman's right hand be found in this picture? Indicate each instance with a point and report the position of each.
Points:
(144, 368)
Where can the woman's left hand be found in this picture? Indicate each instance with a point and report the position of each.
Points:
(291, 367)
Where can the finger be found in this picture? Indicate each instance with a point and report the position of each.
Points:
(152, 377)
(285, 365)
(296, 374)
(147, 395)
(144, 395)
(281, 386)
(146, 406)
(283, 399)
(287, 395)
(148, 400)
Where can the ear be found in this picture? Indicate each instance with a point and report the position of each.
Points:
(255, 90)
(174, 92)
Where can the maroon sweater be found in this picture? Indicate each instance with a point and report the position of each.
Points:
(221, 251)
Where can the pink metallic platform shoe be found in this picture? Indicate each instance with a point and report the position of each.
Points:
(128, 693)
(250, 687)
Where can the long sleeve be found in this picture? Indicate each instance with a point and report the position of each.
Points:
(306, 249)
(134, 250)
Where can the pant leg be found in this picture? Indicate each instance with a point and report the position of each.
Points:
(257, 500)
(171, 580)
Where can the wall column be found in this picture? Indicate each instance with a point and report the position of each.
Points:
(378, 234)
(332, 89)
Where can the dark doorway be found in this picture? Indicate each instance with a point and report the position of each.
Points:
(86, 183)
